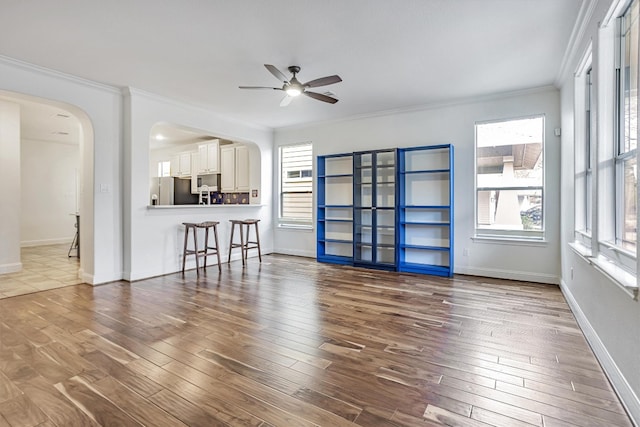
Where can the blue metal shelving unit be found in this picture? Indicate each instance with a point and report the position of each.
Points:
(425, 210)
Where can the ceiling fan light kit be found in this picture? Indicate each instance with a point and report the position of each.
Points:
(292, 87)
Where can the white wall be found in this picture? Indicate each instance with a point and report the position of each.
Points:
(608, 316)
(48, 176)
(451, 124)
(154, 236)
(9, 187)
(99, 109)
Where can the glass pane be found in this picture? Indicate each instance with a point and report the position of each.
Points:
(519, 209)
(630, 204)
(510, 174)
(588, 204)
(630, 80)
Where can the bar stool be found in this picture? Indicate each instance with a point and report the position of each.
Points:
(245, 244)
(207, 250)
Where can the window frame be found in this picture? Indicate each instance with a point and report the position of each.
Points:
(611, 249)
(506, 234)
(584, 152)
(292, 222)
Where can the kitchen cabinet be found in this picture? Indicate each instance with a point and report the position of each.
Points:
(208, 158)
(181, 164)
(234, 168)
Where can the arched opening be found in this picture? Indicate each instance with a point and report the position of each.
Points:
(191, 166)
(47, 191)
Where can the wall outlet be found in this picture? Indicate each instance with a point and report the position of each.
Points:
(465, 252)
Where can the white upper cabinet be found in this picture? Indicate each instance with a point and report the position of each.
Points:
(234, 168)
(181, 164)
(209, 159)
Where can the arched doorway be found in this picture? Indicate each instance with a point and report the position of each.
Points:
(47, 195)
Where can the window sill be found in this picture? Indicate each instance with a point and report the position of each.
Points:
(582, 250)
(300, 227)
(621, 278)
(510, 240)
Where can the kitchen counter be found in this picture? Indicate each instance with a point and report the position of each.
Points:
(153, 207)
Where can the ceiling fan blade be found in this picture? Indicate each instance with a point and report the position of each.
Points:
(277, 73)
(260, 87)
(323, 81)
(286, 101)
(320, 97)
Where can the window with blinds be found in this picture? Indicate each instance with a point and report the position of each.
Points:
(296, 184)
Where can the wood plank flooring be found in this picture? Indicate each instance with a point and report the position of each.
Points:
(291, 342)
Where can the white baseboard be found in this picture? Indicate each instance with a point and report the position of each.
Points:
(10, 268)
(86, 278)
(189, 265)
(45, 242)
(627, 396)
(524, 276)
(308, 254)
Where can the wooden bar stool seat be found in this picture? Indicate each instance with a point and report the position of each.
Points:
(245, 244)
(207, 249)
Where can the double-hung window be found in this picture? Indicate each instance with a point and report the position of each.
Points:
(296, 184)
(584, 135)
(510, 178)
(627, 131)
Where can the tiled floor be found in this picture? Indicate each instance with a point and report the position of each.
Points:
(43, 268)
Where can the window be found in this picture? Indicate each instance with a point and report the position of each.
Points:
(627, 131)
(584, 136)
(296, 184)
(164, 168)
(510, 178)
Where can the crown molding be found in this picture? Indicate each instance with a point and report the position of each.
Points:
(577, 33)
(48, 72)
(129, 91)
(427, 107)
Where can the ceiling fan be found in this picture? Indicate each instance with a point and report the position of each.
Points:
(293, 87)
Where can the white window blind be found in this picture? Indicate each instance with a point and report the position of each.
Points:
(296, 183)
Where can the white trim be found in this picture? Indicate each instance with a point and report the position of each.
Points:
(524, 276)
(129, 91)
(577, 33)
(10, 268)
(426, 107)
(48, 72)
(509, 240)
(295, 252)
(581, 249)
(627, 396)
(297, 226)
(615, 10)
(45, 242)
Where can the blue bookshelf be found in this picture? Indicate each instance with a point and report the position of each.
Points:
(387, 209)
(425, 210)
(335, 209)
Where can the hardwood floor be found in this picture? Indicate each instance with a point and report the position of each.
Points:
(291, 342)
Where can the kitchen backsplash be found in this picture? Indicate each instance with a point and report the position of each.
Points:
(218, 198)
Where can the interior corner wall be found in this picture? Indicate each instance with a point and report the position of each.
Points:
(10, 187)
(608, 316)
(48, 172)
(99, 109)
(154, 236)
(453, 124)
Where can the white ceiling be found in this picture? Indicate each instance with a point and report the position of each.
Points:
(391, 54)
